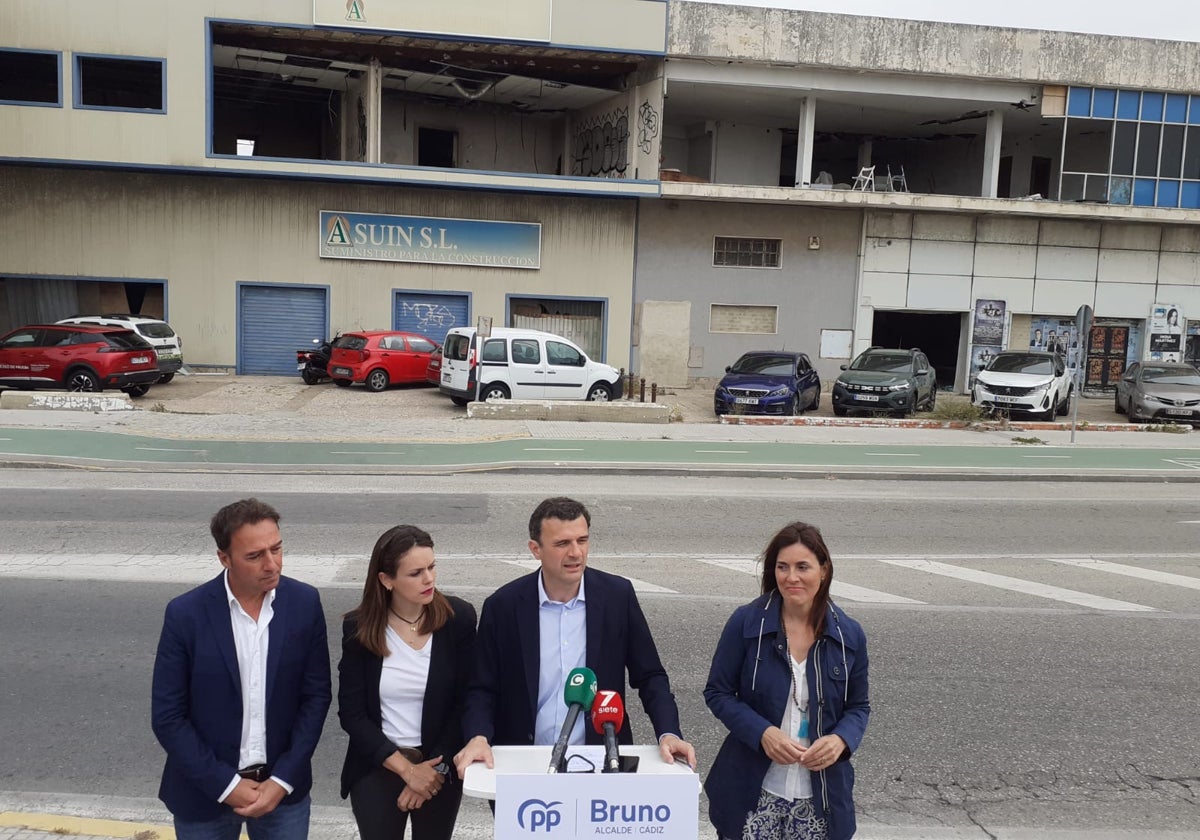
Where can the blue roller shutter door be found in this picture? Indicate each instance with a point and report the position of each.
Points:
(430, 314)
(274, 322)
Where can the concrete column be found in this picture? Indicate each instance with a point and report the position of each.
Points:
(991, 153)
(804, 140)
(864, 154)
(374, 100)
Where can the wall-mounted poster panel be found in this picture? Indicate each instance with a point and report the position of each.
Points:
(1164, 328)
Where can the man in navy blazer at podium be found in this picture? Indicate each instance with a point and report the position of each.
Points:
(241, 689)
(536, 629)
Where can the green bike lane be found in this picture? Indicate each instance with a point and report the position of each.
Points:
(118, 450)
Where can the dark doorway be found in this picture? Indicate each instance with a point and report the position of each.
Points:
(437, 147)
(936, 334)
(1004, 178)
(1039, 177)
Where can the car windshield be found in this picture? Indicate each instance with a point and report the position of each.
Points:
(351, 342)
(1172, 376)
(1022, 363)
(769, 365)
(888, 362)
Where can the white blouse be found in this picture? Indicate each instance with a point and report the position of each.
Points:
(402, 689)
(792, 781)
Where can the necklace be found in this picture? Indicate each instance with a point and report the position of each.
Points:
(802, 708)
(411, 624)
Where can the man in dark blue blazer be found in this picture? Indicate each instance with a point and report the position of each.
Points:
(241, 689)
(533, 630)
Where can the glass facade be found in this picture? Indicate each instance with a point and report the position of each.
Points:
(1132, 147)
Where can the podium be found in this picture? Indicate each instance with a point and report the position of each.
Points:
(658, 800)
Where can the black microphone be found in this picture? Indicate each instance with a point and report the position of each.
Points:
(608, 714)
(578, 694)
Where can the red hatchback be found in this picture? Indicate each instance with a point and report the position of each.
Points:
(76, 357)
(379, 358)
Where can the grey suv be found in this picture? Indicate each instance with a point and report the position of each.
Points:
(898, 381)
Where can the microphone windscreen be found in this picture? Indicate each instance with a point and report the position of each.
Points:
(580, 687)
(607, 708)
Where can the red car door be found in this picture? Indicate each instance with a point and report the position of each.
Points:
(17, 354)
(420, 350)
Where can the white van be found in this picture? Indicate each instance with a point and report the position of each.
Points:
(522, 365)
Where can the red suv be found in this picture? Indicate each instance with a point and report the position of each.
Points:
(77, 358)
(379, 358)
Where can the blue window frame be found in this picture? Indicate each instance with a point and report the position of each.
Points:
(31, 77)
(1127, 104)
(1079, 102)
(1104, 103)
(1168, 194)
(120, 83)
(1152, 107)
(1177, 105)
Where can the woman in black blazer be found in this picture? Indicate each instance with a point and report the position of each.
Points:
(406, 651)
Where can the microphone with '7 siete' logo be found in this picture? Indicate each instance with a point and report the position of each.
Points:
(608, 715)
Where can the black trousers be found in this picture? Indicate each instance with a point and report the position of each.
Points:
(373, 800)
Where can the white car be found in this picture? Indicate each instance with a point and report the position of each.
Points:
(159, 334)
(1029, 382)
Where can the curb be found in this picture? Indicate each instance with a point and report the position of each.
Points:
(88, 826)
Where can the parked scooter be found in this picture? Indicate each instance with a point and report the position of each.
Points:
(314, 364)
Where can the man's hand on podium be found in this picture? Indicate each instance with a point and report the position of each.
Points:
(673, 747)
(477, 749)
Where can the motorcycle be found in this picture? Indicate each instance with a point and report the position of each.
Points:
(314, 364)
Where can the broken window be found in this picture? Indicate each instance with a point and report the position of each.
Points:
(123, 84)
(30, 77)
(437, 147)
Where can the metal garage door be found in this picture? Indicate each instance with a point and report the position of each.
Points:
(275, 321)
(430, 314)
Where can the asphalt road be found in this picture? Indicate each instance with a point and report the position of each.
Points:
(1032, 645)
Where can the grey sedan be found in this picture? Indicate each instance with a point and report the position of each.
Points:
(1160, 391)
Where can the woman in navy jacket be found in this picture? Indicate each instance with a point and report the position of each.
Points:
(406, 653)
(789, 681)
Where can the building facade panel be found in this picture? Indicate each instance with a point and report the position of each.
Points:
(939, 257)
(996, 260)
(1066, 263)
(1127, 266)
(888, 254)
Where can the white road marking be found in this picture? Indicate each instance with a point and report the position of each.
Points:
(841, 590)
(725, 451)
(1129, 571)
(551, 449)
(1027, 587)
(896, 454)
(365, 452)
(1189, 522)
(1047, 456)
(166, 449)
(638, 585)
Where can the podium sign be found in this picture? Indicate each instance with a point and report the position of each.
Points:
(573, 806)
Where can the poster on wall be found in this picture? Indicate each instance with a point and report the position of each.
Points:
(988, 328)
(1056, 335)
(1165, 330)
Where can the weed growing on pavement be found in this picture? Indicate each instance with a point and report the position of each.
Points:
(146, 834)
(1171, 428)
(159, 407)
(1030, 441)
(959, 410)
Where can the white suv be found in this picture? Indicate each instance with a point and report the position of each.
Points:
(162, 338)
(1032, 382)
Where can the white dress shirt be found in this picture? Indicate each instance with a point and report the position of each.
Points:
(563, 642)
(251, 640)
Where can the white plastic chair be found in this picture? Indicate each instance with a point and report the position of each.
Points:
(864, 180)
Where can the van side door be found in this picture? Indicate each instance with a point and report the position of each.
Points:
(527, 369)
(566, 371)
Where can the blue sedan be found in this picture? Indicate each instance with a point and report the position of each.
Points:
(768, 382)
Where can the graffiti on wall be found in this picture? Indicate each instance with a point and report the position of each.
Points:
(601, 145)
(647, 127)
(428, 315)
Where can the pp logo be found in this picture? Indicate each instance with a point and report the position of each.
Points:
(541, 814)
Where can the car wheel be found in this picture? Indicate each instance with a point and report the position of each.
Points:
(1065, 407)
(600, 392)
(342, 383)
(377, 380)
(166, 377)
(495, 391)
(839, 410)
(1117, 406)
(310, 376)
(82, 380)
(136, 390)
(459, 401)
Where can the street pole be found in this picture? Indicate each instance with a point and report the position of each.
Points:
(1083, 327)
